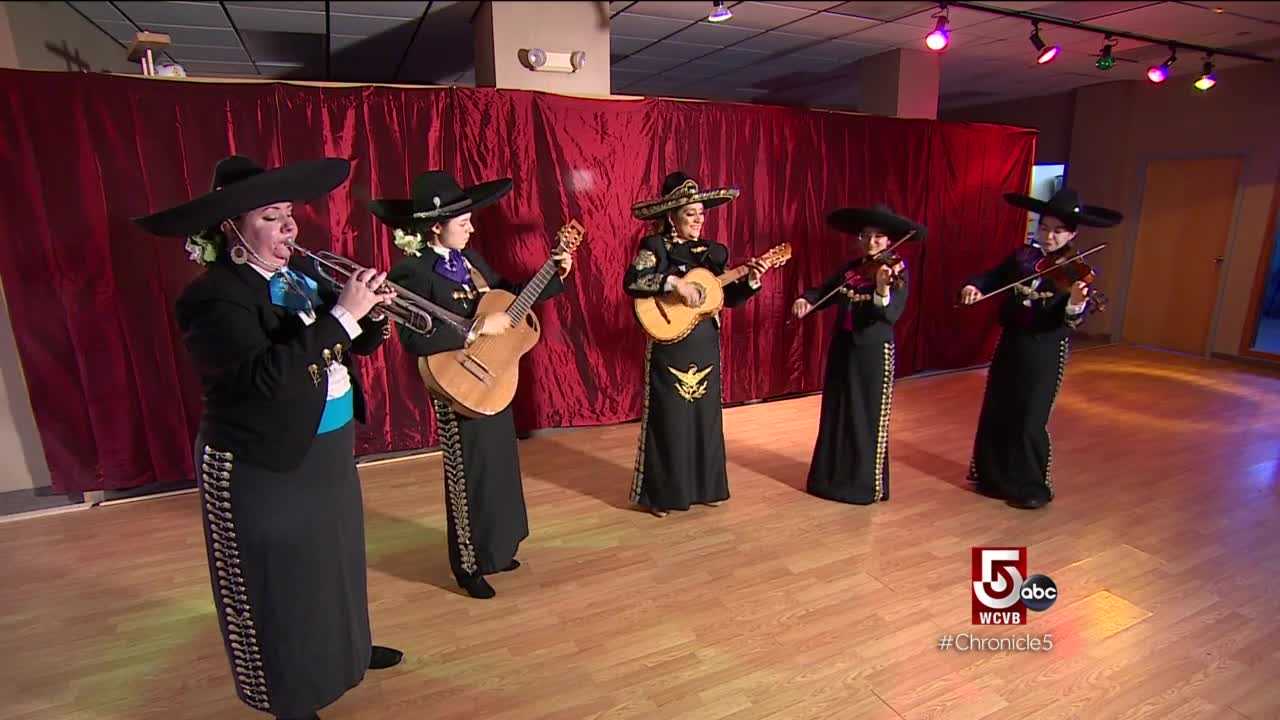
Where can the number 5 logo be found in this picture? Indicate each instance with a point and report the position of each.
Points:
(998, 576)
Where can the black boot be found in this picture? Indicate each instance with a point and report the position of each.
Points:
(514, 565)
(312, 716)
(384, 657)
(476, 586)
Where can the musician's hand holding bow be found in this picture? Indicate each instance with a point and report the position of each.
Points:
(801, 307)
(970, 295)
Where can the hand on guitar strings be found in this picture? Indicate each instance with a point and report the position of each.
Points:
(755, 270)
(690, 293)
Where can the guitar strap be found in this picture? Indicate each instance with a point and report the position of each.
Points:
(482, 285)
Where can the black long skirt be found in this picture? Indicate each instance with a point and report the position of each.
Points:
(851, 456)
(287, 563)
(483, 492)
(681, 458)
(1012, 452)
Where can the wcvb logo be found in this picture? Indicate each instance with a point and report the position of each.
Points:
(1002, 592)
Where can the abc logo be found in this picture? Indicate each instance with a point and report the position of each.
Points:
(1038, 593)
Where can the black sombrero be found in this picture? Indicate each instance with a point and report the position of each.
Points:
(853, 220)
(240, 185)
(1066, 206)
(436, 198)
(678, 190)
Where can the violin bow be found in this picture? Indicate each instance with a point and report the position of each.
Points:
(1029, 278)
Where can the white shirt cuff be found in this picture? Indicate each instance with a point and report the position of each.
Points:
(350, 324)
(753, 283)
(1073, 309)
(670, 284)
(881, 300)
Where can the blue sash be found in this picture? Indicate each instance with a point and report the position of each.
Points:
(337, 413)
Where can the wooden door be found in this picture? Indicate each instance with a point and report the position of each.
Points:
(1188, 207)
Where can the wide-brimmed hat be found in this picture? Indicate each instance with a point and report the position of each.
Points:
(854, 219)
(438, 197)
(1066, 206)
(240, 185)
(678, 190)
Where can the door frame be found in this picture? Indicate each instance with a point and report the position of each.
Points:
(1254, 315)
(1131, 237)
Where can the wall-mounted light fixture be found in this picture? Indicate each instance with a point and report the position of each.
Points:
(539, 60)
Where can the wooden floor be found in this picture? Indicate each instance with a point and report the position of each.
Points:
(1164, 543)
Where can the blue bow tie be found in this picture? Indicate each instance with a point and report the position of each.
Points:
(454, 267)
(300, 295)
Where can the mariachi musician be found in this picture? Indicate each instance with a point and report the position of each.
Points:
(681, 456)
(1012, 452)
(851, 455)
(484, 498)
(282, 512)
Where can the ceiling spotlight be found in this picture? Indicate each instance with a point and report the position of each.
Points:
(938, 40)
(1047, 52)
(719, 13)
(1105, 60)
(1207, 77)
(1158, 73)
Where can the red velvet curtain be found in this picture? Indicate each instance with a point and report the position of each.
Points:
(91, 296)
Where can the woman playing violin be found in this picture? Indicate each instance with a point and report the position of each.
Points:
(1012, 453)
(851, 456)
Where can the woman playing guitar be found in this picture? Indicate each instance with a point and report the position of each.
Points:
(484, 498)
(1012, 453)
(681, 458)
(851, 456)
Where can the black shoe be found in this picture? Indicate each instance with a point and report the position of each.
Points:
(476, 586)
(515, 564)
(384, 657)
(1029, 503)
(312, 716)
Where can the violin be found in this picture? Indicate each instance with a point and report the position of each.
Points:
(868, 267)
(1063, 269)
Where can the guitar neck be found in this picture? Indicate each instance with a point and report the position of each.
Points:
(734, 275)
(520, 308)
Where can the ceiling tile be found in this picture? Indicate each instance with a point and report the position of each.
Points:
(285, 48)
(99, 11)
(197, 53)
(366, 24)
(124, 32)
(733, 57)
(697, 70)
(716, 34)
(622, 45)
(197, 69)
(379, 9)
(188, 14)
(765, 16)
(812, 5)
(890, 35)
(647, 65)
(313, 6)
(212, 37)
(682, 9)
(840, 51)
(1257, 10)
(643, 26)
(774, 42)
(1086, 11)
(829, 25)
(882, 10)
(272, 20)
(670, 49)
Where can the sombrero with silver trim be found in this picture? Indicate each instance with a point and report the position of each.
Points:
(1066, 206)
(853, 220)
(438, 197)
(679, 190)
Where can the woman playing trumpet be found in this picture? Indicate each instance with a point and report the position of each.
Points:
(282, 515)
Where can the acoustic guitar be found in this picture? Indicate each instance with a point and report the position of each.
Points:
(667, 319)
(481, 379)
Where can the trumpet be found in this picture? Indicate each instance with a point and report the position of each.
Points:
(407, 309)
